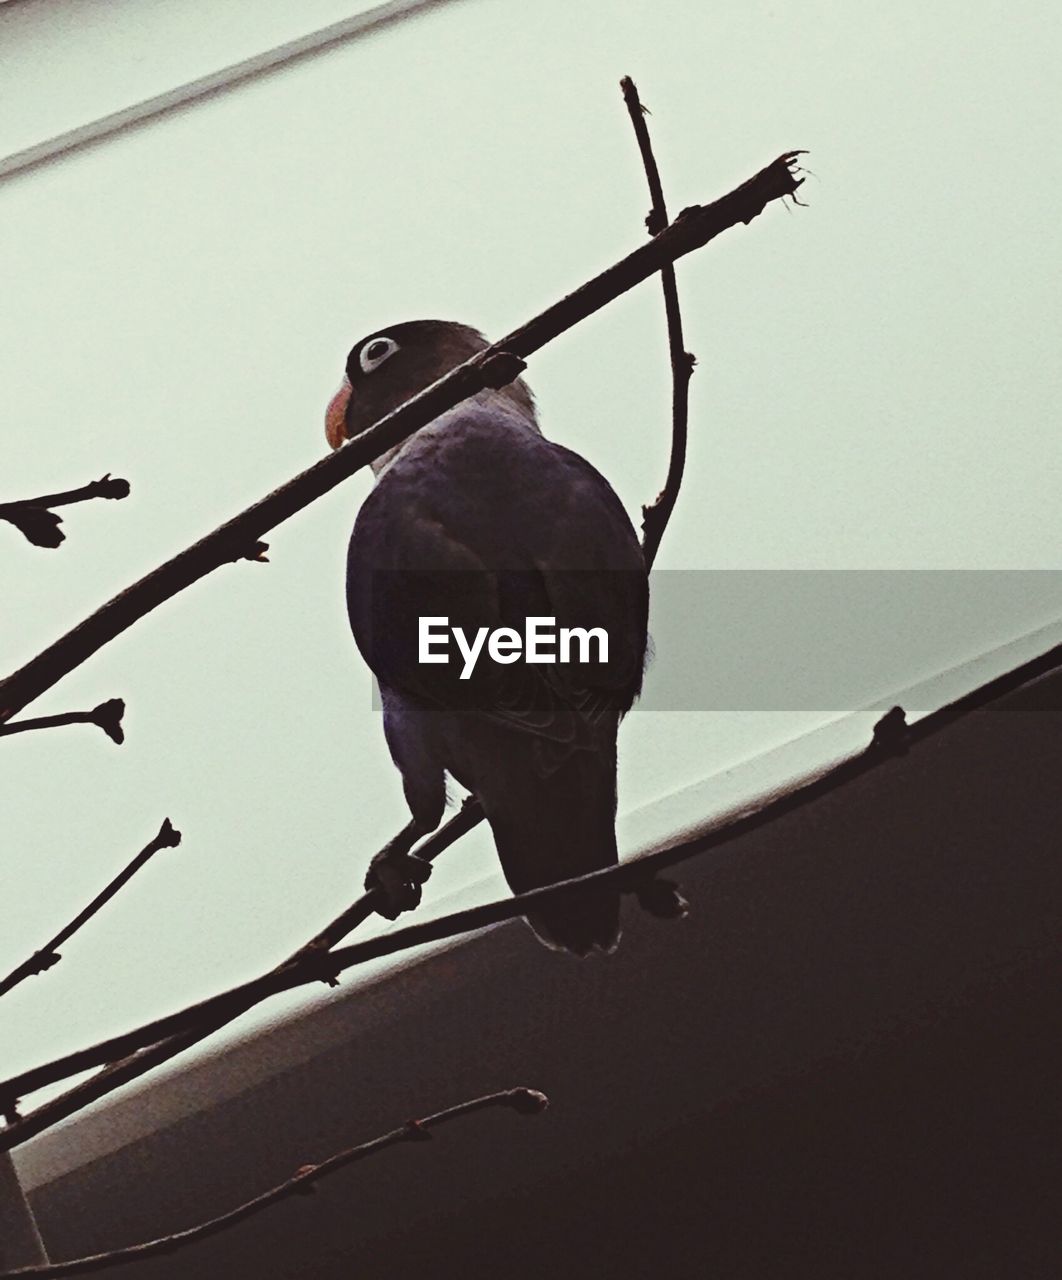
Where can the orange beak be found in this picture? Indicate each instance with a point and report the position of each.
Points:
(336, 415)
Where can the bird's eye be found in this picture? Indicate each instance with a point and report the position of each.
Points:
(374, 353)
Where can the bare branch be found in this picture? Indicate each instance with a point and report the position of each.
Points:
(634, 877)
(108, 716)
(117, 1073)
(469, 815)
(656, 515)
(107, 487)
(691, 230)
(39, 525)
(494, 366)
(522, 1100)
(48, 955)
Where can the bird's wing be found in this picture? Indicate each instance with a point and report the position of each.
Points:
(486, 525)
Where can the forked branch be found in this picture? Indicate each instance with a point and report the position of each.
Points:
(691, 230)
(48, 956)
(656, 515)
(40, 525)
(107, 716)
(203, 1022)
(499, 363)
(635, 877)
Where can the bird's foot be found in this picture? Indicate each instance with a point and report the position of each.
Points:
(397, 877)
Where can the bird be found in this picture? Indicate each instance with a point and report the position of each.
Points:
(478, 519)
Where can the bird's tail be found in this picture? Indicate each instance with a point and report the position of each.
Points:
(579, 926)
(557, 827)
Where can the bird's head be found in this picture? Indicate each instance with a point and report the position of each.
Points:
(391, 365)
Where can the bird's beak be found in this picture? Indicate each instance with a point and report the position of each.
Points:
(336, 415)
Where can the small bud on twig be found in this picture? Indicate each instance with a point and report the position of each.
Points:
(529, 1102)
(108, 715)
(256, 552)
(108, 487)
(42, 961)
(40, 526)
(37, 525)
(891, 733)
(168, 837)
(655, 221)
(416, 1132)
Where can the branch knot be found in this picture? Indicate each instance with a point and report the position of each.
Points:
(891, 733)
(655, 221)
(108, 487)
(108, 716)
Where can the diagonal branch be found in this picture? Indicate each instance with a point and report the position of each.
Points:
(522, 1100)
(468, 816)
(656, 515)
(140, 1060)
(893, 736)
(703, 223)
(48, 955)
(691, 230)
(108, 716)
(38, 524)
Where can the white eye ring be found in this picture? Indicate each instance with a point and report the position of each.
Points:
(375, 352)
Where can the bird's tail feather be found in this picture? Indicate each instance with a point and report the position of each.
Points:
(555, 828)
(579, 926)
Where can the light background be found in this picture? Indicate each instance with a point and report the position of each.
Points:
(878, 388)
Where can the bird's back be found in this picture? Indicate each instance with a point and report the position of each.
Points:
(483, 521)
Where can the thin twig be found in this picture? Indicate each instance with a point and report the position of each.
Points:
(627, 877)
(656, 515)
(48, 955)
(38, 524)
(121, 1070)
(107, 487)
(691, 230)
(107, 716)
(525, 1101)
(468, 816)
(494, 364)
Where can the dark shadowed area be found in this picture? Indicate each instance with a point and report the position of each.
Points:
(844, 1063)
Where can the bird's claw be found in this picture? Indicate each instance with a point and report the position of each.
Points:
(397, 879)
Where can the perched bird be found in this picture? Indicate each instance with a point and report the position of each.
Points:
(477, 518)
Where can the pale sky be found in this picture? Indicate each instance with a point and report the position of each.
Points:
(878, 387)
